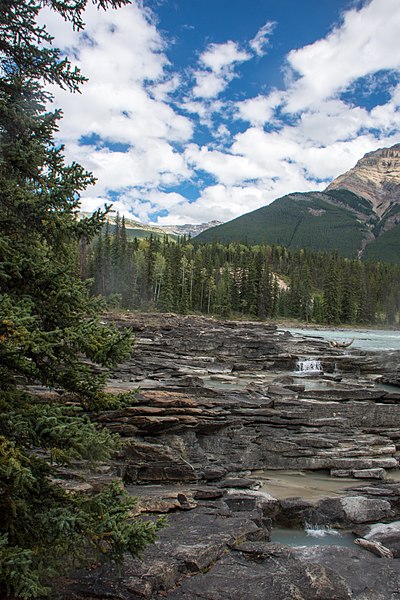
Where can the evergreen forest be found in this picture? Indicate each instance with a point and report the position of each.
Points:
(236, 279)
(54, 349)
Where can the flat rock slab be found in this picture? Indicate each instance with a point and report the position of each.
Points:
(275, 572)
(262, 576)
(368, 577)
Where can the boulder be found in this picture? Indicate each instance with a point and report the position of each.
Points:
(365, 510)
(294, 512)
(369, 473)
(388, 534)
(149, 463)
(350, 510)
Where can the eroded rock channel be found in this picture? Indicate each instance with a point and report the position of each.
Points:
(218, 401)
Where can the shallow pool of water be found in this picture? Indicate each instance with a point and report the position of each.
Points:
(312, 537)
(311, 485)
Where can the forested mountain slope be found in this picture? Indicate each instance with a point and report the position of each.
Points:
(357, 214)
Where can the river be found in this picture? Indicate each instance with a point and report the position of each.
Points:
(364, 339)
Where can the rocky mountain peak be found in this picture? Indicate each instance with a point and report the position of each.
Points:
(375, 177)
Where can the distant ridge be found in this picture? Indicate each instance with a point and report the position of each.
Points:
(138, 229)
(358, 214)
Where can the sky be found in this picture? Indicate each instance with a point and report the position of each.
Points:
(200, 110)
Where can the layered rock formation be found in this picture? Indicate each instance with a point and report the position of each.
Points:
(375, 177)
(219, 398)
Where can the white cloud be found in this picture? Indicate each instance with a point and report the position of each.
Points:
(333, 121)
(217, 63)
(261, 109)
(227, 168)
(260, 42)
(209, 84)
(162, 90)
(219, 57)
(218, 202)
(366, 42)
(125, 101)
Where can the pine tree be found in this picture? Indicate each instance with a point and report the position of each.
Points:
(265, 294)
(332, 293)
(223, 304)
(166, 294)
(50, 330)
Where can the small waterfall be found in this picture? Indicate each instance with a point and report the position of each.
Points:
(320, 531)
(308, 366)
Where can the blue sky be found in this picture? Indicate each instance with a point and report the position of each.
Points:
(198, 110)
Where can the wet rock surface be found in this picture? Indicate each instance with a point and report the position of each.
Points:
(217, 401)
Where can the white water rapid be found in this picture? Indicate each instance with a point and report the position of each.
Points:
(320, 531)
(308, 366)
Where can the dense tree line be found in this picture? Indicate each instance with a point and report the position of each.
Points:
(263, 281)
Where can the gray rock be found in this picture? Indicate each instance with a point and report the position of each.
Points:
(369, 474)
(264, 575)
(377, 473)
(208, 493)
(350, 510)
(367, 576)
(341, 473)
(344, 425)
(387, 534)
(214, 473)
(365, 510)
(295, 512)
(241, 502)
(239, 483)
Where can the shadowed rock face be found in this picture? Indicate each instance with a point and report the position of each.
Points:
(375, 177)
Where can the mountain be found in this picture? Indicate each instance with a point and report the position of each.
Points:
(358, 214)
(375, 177)
(189, 228)
(141, 230)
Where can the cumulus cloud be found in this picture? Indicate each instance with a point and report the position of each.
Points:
(136, 123)
(217, 202)
(366, 42)
(124, 102)
(227, 168)
(217, 62)
(259, 110)
(317, 134)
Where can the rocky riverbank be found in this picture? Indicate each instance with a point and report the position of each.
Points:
(218, 400)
